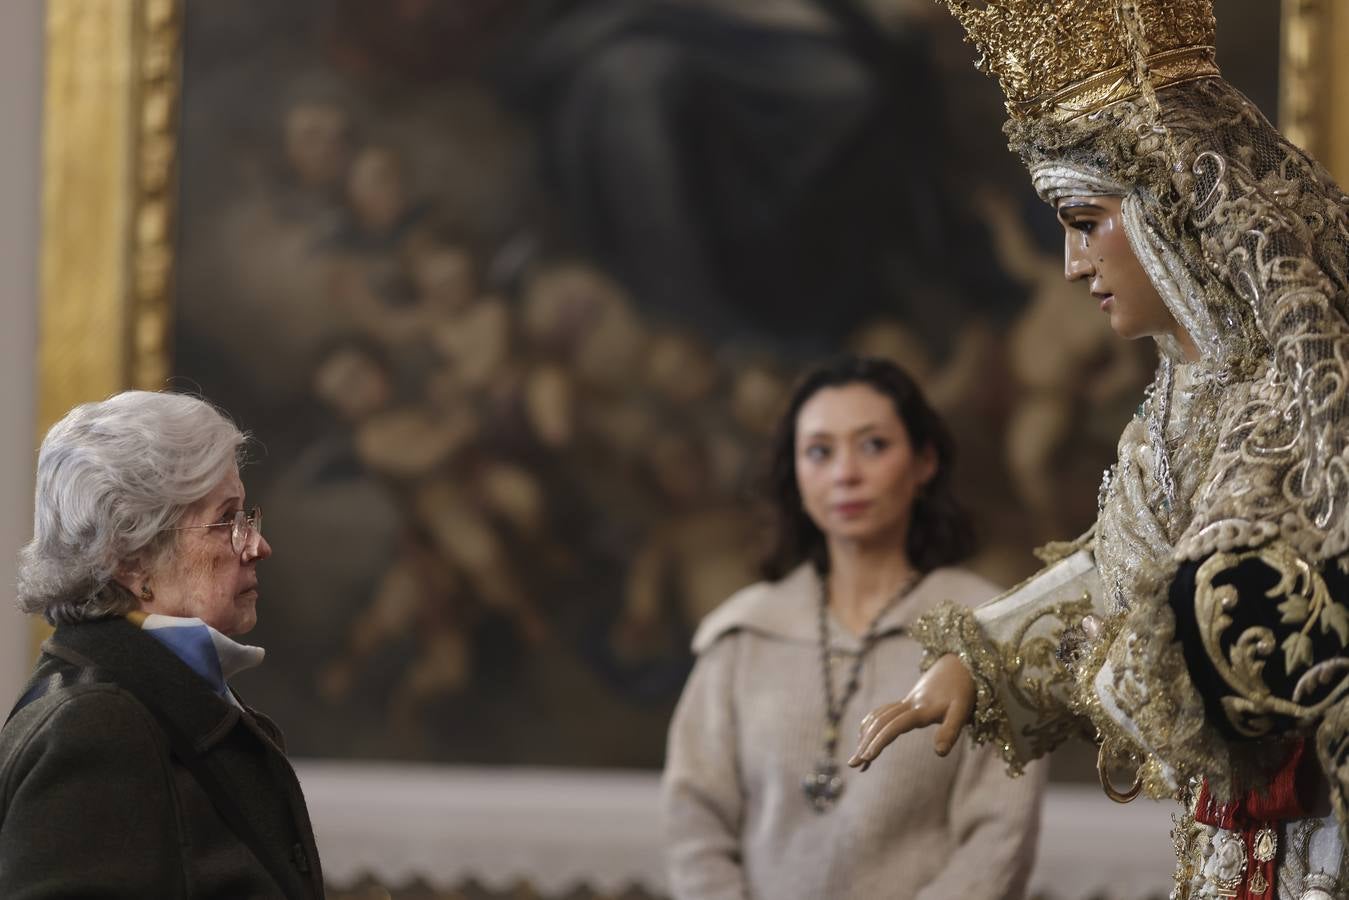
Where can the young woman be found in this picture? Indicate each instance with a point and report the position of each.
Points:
(1199, 631)
(754, 799)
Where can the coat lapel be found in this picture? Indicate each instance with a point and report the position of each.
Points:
(194, 717)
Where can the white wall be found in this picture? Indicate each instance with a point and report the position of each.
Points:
(21, 34)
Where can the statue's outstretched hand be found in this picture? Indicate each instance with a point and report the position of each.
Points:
(943, 696)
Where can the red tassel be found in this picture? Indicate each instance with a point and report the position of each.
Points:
(1259, 810)
(1280, 800)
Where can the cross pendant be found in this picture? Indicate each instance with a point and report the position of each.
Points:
(823, 786)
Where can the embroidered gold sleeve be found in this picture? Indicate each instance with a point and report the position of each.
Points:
(1013, 646)
(1265, 634)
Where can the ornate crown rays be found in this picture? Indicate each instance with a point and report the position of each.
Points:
(1061, 59)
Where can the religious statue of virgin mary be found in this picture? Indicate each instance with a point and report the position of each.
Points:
(1198, 631)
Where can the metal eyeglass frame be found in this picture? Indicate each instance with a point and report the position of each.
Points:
(245, 529)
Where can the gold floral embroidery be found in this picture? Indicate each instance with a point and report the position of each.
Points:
(1048, 693)
(1307, 604)
(949, 628)
(1025, 670)
(1044, 75)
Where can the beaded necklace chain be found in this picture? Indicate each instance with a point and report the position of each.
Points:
(824, 785)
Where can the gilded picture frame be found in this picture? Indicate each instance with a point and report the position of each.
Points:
(107, 216)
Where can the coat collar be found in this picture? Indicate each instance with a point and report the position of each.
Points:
(788, 610)
(212, 655)
(151, 671)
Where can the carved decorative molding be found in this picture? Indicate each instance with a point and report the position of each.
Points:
(1300, 56)
(155, 195)
(108, 193)
(108, 198)
(1314, 80)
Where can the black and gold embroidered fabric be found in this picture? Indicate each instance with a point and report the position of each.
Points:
(1266, 638)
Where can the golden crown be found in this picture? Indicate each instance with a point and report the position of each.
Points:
(1061, 59)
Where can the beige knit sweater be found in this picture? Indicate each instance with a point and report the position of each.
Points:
(749, 727)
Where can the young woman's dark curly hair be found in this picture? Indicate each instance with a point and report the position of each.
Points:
(940, 532)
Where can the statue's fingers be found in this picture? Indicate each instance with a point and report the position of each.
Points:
(957, 714)
(872, 725)
(881, 736)
(885, 712)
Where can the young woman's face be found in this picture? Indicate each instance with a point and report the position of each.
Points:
(856, 468)
(1096, 250)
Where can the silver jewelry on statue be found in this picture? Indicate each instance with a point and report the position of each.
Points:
(1159, 412)
(1103, 492)
(824, 785)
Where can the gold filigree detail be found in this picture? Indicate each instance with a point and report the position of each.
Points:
(1259, 884)
(1045, 694)
(949, 628)
(1307, 603)
(1044, 55)
(1000, 674)
(1115, 85)
(1150, 685)
(1266, 846)
(1187, 843)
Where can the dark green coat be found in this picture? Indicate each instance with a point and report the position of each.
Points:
(99, 800)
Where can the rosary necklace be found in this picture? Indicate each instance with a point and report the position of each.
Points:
(824, 785)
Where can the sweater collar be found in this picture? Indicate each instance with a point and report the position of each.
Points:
(789, 610)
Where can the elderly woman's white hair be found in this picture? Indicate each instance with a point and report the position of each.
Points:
(111, 478)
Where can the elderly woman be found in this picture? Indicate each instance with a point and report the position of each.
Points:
(1200, 632)
(129, 767)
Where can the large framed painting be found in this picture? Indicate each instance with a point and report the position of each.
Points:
(509, 294)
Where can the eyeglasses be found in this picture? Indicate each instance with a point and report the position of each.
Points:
(245, 530)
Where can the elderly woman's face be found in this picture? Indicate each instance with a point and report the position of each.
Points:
(1097, 250)
(203, 576)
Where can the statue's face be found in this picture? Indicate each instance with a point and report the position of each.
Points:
(1096, 250)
